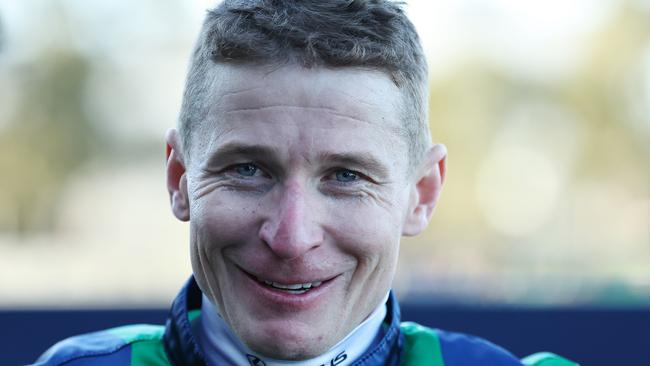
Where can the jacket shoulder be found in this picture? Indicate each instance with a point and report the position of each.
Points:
(435, 347)
(128, 345)
(547, 359)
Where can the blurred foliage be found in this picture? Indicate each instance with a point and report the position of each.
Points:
(593, 243)
(48, 137)
(470, 107)
(2, 34)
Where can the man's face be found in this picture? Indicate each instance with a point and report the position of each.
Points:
(298, 191)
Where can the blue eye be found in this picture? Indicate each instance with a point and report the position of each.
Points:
(246, 170)
(346, 176)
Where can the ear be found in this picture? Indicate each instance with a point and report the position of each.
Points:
(426, 190)
(176, 178)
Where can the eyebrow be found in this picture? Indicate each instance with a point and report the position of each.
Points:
(234, 149)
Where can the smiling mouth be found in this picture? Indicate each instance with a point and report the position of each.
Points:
(294, 289)
(289, 288)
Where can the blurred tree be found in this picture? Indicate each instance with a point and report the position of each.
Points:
(2, 34)
(47, 138)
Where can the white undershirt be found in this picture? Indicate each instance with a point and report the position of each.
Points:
(221, 346)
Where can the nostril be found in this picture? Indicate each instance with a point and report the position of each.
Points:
(267, 232)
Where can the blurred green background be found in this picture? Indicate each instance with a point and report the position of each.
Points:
(544, 108)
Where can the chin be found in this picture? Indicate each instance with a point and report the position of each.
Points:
(285, 352)
(282, 345)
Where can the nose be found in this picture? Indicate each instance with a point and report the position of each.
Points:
(291, 228)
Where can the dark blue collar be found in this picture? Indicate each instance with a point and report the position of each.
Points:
(183, 350)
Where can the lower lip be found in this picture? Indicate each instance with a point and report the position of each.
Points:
(284, 298)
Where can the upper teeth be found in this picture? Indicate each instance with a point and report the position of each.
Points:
(294, 286)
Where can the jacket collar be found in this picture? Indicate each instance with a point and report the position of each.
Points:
(183, 350)
(180, 345)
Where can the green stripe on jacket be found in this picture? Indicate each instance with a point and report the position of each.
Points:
(421, 346)
(146, 344)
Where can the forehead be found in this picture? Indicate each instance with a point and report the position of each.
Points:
(243, 96)
(356, 90)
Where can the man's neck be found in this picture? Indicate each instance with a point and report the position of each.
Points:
(221, 346)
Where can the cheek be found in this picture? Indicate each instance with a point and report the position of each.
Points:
(217, 224)
(372, 238)
(368, 232)
(219, 216)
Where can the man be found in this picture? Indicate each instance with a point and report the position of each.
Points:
(301, 157)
